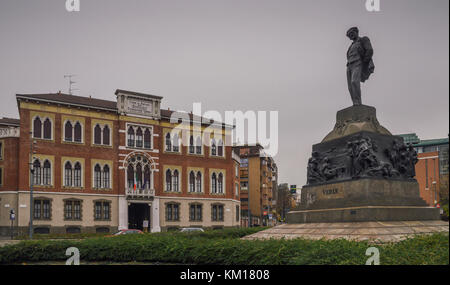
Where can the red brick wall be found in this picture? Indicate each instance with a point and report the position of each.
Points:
(428, 160)
(9, 164)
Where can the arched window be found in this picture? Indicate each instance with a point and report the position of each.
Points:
(168, 180)
(214, 183)
(176, 179)
(131, 137)
(68, 131)
(191, 181)
(139, 138)
(77, 175)
(97, 176)
(106, 177)
(68, 174)
(37, 172)
(168, 142)
(106, 135)
(97, 134)
(198, 145)
(47, 176)
(147, 176)
(213, 147)
(47, 129)
(176, 143)
(130, 176)
(77, 132)
(220, 148)
(147, 139)
(198, 182)
(37, 128)
(191, 145)
(220, 183)
(138, 176)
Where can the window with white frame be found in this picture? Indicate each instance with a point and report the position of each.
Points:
(217, 183)
(73, 131)
(139, 137)
(72, 174)
(172, 142)
(42, 172)
(172, 181)
(102, 135)
(217, 148)
(42, 128)
(139, 173)
(102, 176)
(195, 181)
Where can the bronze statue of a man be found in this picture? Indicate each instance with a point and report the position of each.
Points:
(359, 63)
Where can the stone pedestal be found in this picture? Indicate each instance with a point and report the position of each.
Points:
(360, 172)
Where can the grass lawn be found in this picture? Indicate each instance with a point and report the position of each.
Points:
(224, 247)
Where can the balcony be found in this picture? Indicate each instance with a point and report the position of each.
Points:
(141, 194)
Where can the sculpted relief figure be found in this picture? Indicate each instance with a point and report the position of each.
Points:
(359, 63)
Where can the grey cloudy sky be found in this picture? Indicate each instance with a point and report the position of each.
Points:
(281, 55)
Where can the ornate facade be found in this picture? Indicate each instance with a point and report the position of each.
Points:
(100, 165)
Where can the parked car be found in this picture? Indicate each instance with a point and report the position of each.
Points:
(127, 232)
(190, 230)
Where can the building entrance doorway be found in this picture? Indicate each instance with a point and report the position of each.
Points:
(139, 216)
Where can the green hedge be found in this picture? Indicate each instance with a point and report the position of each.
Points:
(225, 247)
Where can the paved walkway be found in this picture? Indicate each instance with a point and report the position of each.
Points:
(4, 242)
(373, 231)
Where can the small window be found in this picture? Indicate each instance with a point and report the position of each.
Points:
(37, 128)
(191, 145)
(72, 210)
(176, 180)
(191, 181)
(147, 139)
(198, 146)
(198, 182)
(172, 212)
(139, 138)
(77, 132)
(195, 212)
(97, 134)
(47, 129)
(176, 143)
(168, 180)
(97, 176)
(217, 213)
(130, 137)
(106, 132)
(168, 142)
(68, 131)
(220, 148)
(77, 175)
(213, 147)
(102, 210)
(214, 183)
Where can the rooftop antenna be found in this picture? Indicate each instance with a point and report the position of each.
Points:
(71, 82)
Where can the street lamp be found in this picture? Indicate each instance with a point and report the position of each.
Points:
(30, 229)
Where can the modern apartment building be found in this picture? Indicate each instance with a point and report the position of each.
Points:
(258, 180)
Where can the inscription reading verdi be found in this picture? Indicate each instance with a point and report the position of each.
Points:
(330, 191)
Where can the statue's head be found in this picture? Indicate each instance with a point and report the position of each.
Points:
(353, 33)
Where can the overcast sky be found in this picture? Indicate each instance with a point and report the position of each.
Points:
(272, 55)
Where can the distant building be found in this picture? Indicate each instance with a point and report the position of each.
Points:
(432, 165)
(258, 180)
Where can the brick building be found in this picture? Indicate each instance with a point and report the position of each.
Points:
(99, 166)
(432, 167)
(258, 179)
